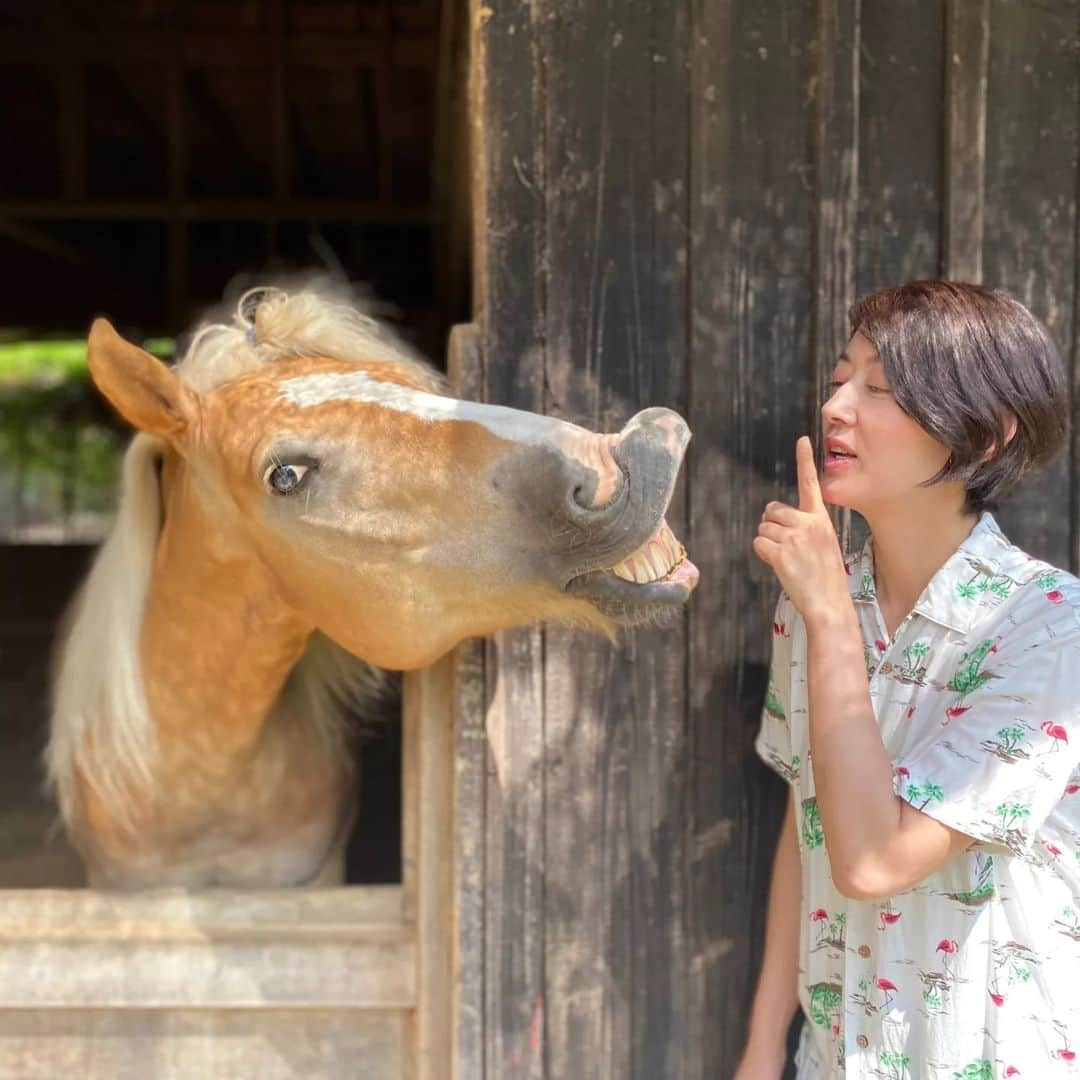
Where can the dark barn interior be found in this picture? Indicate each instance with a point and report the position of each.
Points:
(155, 155)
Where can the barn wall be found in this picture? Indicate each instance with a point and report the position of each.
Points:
(675, 205)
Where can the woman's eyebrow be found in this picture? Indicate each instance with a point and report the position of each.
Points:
(843, 358)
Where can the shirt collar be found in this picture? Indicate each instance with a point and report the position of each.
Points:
(951, 596)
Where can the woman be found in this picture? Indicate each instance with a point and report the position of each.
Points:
(922, 706)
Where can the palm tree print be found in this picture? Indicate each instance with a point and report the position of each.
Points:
(1014, 961)
(977, 1070)
(831, 929)
(1007, 747)
(773, 705)
(825, 1001)
(895, 1062)
(928, 793)
(1009, 813)
(812, 833)
(1068, 923)
(984, 579)
(984, 886)
(968, 675)
(913, 669)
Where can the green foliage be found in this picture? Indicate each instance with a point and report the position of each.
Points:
(56, 432)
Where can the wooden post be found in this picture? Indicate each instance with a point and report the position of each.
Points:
(967, 50)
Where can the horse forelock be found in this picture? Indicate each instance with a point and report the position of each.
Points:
(315, 321)
(101, 732)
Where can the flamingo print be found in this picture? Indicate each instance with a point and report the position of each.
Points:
(1064, 1053)
(947, 948)
(887, 988)
(1056, 732)
(887, 917)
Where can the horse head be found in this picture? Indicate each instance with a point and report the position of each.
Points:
(394, 518)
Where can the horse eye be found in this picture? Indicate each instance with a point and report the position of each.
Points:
(284, 479)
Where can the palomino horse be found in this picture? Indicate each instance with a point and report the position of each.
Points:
(303, 506)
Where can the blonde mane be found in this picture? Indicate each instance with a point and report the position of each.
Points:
(101, 731)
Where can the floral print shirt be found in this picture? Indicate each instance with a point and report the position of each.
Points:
(974, 974)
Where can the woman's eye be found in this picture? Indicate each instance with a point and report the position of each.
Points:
(835, 384)
(879, 389)
(284, 479)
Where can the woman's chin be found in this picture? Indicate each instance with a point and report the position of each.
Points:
(836, 493)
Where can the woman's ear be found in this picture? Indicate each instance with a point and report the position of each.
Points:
(139, 386)
(1009, 423)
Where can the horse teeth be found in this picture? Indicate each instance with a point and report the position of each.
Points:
(654, 560)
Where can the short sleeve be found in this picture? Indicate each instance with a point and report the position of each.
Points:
(999, 757)
(773, 742)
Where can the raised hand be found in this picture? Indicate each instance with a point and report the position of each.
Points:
(801, 547)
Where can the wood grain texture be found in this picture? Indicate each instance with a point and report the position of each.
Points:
(967, 41)
(338, 948)
(1029, 238)
(507, 110)
(900, 185)
(465, 370)
(616, 148)
(749, 398)
(271, 1044)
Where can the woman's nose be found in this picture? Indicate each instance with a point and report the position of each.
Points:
(838, 408)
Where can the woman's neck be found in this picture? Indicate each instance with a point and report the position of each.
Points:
(910, 545)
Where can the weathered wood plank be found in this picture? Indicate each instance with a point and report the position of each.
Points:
(750, 397)
(272, 1044)
(335, 948)
(156, 973)
(900, 175)
(836, 171)
(615, 775)
(465, 370)
(373, 912)
(434, 910)
(1029, 241)
(507, 111)
(966, 61)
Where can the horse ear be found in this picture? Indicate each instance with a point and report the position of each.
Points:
(139, 386)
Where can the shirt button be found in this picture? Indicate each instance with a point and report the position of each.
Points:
(864, 951)
(862, 1041)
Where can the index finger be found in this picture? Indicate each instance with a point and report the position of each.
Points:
(810, 499)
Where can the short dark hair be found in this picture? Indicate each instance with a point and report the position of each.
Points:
(961, 361)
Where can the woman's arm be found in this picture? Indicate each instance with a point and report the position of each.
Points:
(777, 993)
(878, 845)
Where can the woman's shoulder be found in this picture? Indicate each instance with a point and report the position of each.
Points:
(1044, 600)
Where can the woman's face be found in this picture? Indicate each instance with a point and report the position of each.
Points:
(875, 453)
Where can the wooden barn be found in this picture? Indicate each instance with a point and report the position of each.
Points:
(582, 209)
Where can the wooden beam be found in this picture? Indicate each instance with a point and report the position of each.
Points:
(213, 210)
(967, 53)
(203, 49)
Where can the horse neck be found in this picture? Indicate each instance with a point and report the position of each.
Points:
(217, 641)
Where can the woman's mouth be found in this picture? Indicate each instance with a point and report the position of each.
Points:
(838, 460)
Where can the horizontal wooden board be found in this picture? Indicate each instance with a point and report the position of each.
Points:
(330, 948)
(272, 1044)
